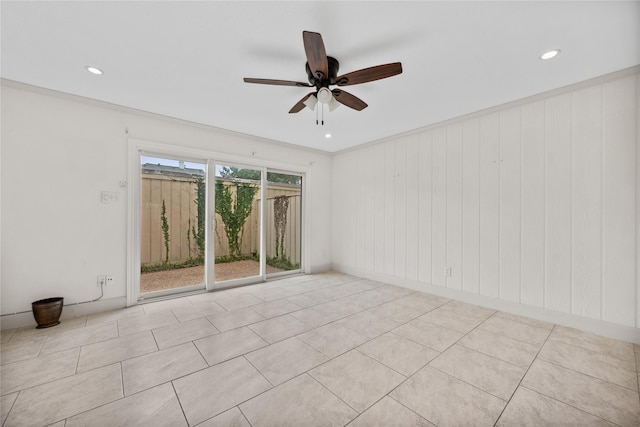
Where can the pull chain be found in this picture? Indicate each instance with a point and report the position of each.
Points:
(320, 115)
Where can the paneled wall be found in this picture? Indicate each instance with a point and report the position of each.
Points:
(533, 203)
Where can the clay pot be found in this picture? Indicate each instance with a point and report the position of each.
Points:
(47, 312)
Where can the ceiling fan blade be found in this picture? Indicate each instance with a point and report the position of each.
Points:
(300, 105)
(369, 74)
(316, 55)
(351, 101)
(276, 82)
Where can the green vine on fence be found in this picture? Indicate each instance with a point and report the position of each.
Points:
(165, 231)
(234, 207)
(280, 208)
(201, 204)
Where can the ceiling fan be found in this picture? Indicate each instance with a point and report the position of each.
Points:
(322, 72)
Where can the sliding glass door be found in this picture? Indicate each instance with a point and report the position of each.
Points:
(283, 222)
(172, 225)
(238, 223)
(205, 224)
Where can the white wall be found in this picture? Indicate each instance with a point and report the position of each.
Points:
(532, 205)
(60, 152)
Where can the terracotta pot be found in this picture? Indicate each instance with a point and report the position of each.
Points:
(47, 312)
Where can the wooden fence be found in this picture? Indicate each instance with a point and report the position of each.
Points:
(179, 194)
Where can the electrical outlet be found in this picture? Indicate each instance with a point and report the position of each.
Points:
(102, 280)
(447, 272)
(109, 280)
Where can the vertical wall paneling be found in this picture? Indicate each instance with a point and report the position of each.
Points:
(412, 216)
(401, 209)
(637, 202)
(619, 254)
(454, 206)
(360, 180)
(349, 208)
(537, 203)
(369, 209)
(343, 218)
(389, 208)
(439, 208)
(424, 207)
(489, 205)
(379, 207)
(356, 171)
(339, 218)
(558, 203)
(586, 219)
(533, 204)
(510, 204)
(470, 205)
(337, 248)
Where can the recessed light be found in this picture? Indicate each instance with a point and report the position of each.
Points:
(327, 135)
(93, 70)
(550, 54)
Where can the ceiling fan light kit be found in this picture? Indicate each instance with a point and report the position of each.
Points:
(322, 72)
(324, 95)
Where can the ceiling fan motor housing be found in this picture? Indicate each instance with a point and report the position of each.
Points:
(334, 65)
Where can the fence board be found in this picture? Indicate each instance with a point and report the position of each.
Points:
(180, 194)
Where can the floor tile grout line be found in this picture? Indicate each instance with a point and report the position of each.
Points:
(243, 414)
(409, 409)
(491, 355)
(470, 384)
(256, 368)
(562, 341)
(507, 336)
(516, 319)
(528, 368)
(332, 393)
(585, 374)
(381, 363)
(175, 392)
(199, 352)
(11, 409)
(566, 403)
(524, 375)
(586, 350)
(75, 372)
(100, 405)
(499, 335)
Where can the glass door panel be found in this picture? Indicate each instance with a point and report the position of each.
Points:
(238, 224)
(283, 222)
(172, 226)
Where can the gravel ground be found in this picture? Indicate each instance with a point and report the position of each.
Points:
(169, 279)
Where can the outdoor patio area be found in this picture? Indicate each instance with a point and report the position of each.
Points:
(181, 277)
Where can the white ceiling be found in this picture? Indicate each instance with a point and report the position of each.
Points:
(187, 59)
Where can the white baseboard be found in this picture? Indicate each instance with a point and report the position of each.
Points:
(19, 320)
(317, 269)
(600, 327)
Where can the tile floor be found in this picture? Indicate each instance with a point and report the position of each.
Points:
(320, 350)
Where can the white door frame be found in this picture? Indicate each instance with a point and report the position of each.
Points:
(138, 146)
